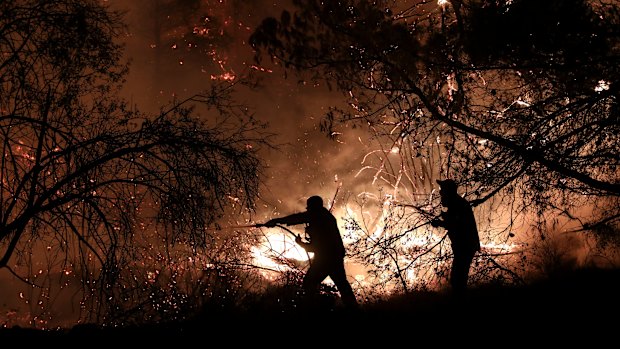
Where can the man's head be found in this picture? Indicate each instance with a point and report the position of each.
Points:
(314, 202)
(447, 186)
(447, 190)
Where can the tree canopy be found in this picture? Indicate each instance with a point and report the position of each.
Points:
(522, 94)
(91, 187)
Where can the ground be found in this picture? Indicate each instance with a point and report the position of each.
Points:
(573, 309)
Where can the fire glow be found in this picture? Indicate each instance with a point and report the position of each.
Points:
(417, 253)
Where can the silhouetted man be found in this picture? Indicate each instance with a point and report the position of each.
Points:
(326, 244)
(460, 223)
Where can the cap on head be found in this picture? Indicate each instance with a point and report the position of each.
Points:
(314, 202)
(447, 185)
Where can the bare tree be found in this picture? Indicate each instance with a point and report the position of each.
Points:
(515, 100)
(92, 188)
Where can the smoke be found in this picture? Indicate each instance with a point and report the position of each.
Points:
(168, 62)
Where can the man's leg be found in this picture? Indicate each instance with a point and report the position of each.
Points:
(460, 272)
(339, 277)
(313, 278)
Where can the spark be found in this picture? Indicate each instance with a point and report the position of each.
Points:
(602, 86)
(225, 77)
(443, 3)
(255, 67)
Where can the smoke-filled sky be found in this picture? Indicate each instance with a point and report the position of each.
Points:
(167, 62)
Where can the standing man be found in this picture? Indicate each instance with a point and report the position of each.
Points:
(460, 223)
(326, 244)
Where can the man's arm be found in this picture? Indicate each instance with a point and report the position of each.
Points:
(294, 219)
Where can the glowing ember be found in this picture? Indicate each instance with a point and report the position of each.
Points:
(602, 86)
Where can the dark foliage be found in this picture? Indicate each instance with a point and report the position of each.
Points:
(94, 188)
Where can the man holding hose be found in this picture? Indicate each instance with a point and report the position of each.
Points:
(326, 244)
